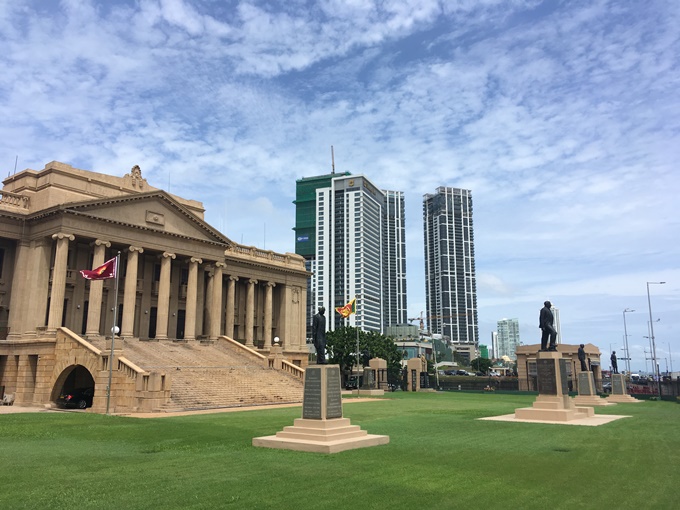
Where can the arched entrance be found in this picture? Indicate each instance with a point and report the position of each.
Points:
(74, 379)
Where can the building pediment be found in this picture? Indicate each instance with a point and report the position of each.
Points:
(156, 211)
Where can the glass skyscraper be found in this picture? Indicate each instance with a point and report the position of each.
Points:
(450, 283)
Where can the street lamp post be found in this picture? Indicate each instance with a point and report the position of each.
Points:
(651, 330)
(625, 339)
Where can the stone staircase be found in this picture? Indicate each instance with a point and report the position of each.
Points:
(212, 376)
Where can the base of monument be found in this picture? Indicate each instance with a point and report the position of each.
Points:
(622, 399)
(369, 393)
(592, 400)
(321, 436)
(557, 409)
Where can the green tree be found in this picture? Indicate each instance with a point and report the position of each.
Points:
(341, 345)
(481, 365)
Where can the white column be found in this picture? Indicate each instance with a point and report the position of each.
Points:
(164, 297)
(250, 312)
(19, 290)
(216, 304)
(130, 293)
(268, 314)
(231, 293)
(192, 293)
(94, 306)
(58, 281)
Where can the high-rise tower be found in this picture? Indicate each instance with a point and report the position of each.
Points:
(508, 338)
(394, 255)
(450, 284)
(359, 251)
(305, 230)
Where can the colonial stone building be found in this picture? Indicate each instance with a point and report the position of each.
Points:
(179, 279)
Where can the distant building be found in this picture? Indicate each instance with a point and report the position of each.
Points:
(359, 246)
(305, 231)
(450, 283)
(402, 331)
(558, 328)
(494, 345)
(507, 338)
(467, 351)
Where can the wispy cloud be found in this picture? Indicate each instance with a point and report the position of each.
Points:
(563, 118)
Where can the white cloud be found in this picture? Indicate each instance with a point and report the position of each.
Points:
(563, 119)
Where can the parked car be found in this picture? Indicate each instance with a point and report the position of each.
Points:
(607, 387)
(80, 398)
(462, 372)
(353, 382)
(393, 387)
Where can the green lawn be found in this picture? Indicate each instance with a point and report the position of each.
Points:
(439, 456)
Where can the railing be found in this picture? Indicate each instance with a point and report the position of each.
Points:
(292, 369)
(239, 345)
(128, 368)
(254, 252)
(15, 200)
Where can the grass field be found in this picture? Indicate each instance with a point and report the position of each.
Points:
(439, 456)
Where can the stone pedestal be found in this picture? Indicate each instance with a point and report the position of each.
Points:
(275, 357)
(417, 375)
(553, 402)
(368, 387)
(619, 393)
(587, 394)
(322, 428)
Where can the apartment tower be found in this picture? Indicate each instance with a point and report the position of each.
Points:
(508, 337)
(450, 284)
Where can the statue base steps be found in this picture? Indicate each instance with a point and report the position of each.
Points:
(321, 436)
(591, 400)
(369, 393)
(557, 409)
(623, 399)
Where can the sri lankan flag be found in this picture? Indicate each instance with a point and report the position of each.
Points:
(348, 309)
(107, 270)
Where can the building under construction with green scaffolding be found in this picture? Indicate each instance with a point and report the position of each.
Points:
(305, 229)
(352, 236)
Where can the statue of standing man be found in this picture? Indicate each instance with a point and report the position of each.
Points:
(319, 335)
(545, 322)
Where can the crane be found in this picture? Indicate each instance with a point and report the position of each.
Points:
(429, 317)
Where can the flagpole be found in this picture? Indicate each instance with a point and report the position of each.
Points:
(113, 333)
(356, 325)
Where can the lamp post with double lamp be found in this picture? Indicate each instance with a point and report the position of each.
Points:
(625, 339)
(651, 331)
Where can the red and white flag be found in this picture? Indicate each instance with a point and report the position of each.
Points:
(103, 272)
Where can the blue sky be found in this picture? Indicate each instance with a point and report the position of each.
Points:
(563, 118)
